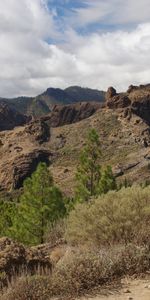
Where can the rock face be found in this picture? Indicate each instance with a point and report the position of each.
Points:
(16, 258)
(68, 114)
(24, 165)
(137, 98)
(38, 130)
(10, 118)
(114, 100)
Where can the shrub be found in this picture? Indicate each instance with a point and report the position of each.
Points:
(55, 232)
(84, 269)
(25, 288)
(81, 270)
(117, 217)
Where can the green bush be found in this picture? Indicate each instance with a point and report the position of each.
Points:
(118, 217)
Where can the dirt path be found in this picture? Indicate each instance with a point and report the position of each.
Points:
(132, 289)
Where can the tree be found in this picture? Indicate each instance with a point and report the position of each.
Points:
(91, 181)
(40, 204)
(89, 171)
(108, 181)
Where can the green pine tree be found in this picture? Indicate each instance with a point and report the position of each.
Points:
(108, 181)
(91, 180)
(40, 204)
(89, 171)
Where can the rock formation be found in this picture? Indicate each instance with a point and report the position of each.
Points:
(71, 113)
(114, 100)
(10, 118)
(17, 259)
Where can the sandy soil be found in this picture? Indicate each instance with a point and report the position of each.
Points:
(131, 289)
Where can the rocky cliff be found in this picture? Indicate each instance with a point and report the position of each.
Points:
(137, 98)
(10, 118)
(72, 113)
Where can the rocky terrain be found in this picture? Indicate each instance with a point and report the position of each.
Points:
(10, 118)
(58, 138)
(138, 289)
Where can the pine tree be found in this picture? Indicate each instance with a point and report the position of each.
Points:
(108, 181)
(40, 204)
(91, 180)
(89, 171)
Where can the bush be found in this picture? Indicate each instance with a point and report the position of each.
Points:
(117, 217)
(25, 288)
(84, 269)
(55, 232)
(81, 270)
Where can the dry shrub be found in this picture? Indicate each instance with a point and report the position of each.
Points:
(81, 271)
(117, 217)
(28, 288)
(55, 232)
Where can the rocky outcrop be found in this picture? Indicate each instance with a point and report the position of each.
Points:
(72, 113)
(38, 130)
(137, 99)
(17, 259)
(10, 118)
(24, 165)
(142, 109)
(114, 100)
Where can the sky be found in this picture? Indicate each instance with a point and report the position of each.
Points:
(59, 43)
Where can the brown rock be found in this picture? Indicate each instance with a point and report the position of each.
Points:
(111, 92)
(72, 113)
(38, 131)
(114, 100)
(25, 165)
(10, 118)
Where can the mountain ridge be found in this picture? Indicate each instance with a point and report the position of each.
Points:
(42, 104)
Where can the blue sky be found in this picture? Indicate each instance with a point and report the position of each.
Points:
(92, 43)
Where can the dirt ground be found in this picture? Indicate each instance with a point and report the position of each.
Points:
(138, 289)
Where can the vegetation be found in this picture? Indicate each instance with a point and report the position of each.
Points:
(106, 228)
(79, 272)
(40, 204)
(118, 217)
(91, 180)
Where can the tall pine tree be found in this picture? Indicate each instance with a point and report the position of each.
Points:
(41, 203)
(91, 180)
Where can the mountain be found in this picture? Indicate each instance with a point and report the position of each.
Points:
(122, 124)
(43, 104)
(78, 93)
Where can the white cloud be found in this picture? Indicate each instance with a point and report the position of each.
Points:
(29, 64)
(110, 12)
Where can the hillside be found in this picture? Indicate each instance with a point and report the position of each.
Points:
(42, 104)
(124, 135)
